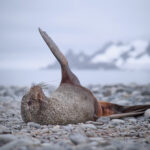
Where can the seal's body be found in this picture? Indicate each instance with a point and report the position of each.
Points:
(70, 102)
(63, 107)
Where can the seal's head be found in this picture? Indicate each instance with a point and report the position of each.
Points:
(32, 102)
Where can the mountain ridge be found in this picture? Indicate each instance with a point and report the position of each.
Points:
(131, 56)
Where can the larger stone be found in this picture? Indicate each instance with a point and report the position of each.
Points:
(6, 138)
(78, 138)
(147, 113)
(117, 121)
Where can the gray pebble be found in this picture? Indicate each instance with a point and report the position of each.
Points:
(117, 121)
(132, 146)
(148, 139)
(132, 120)
(68, 127)
(6, 138)
(16, 144)
(34, 125)
(48, 146)
(90, 133)
(103, 120)
(89, 126)
(147, 113)
(4, 130)
(84, 147)
(99, 140)
(110, 147)
(78, 138)
(46, 130)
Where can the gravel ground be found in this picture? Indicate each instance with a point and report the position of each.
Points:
(117, 134)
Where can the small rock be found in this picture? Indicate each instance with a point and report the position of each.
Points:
(6, 138)
(123, 134)
(99, 140)
(90, 133)
(84, 147)
(48, 146)
(103, 120)
(133, 146)
(133, 133)
(147, 113)
(148, 139)
(91, 126)
(145, 93)
(46, 130)
(121, 102)
(95, 89)
(55, 129)
(135, 93)
(110, 147)
(132, 120)
(34, 125)
(117, 121)
(141, 134)
(16, 144)
(18, 127)
(148, 126)
(107, 93)
(4, 130)
(68, 127)
(78, 138)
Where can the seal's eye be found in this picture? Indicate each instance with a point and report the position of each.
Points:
(29, 103)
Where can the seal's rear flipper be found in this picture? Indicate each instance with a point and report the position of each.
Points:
(122, 115)
(119, 111)
(67, 75)
(137, 108)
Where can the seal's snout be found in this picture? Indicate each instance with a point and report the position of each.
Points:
(36, 93)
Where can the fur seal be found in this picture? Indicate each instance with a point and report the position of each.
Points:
(70, 102)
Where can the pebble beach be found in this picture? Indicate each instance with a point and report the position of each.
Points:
(130, 133)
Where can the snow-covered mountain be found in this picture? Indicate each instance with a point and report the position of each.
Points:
(132, 56)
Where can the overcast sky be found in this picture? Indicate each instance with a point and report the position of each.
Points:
(82, 25)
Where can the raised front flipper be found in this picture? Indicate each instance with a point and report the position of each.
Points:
(67, 75)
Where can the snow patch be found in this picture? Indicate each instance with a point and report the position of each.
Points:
(141, 63)
(139, 47)
(113, 52)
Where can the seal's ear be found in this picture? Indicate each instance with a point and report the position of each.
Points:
(67, 75)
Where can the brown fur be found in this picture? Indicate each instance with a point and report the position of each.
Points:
(109, 108)
(70, 102)
(67, 104)
(68, 76)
